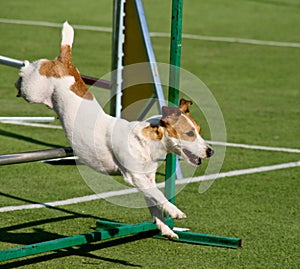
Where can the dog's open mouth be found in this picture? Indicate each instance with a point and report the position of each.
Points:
(192, 157)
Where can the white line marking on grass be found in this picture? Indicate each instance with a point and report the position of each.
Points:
(160, 185)
(227, 144)
(71, 201)
(239, 172)
(32, 124)
(236, 145)
(242, 41)
(55, 25)
(28, 119)
(157, 34)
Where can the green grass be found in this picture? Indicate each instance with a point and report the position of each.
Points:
(257, 89)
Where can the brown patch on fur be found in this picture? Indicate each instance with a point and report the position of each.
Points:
(184, 129)
(172, 132)
(170, 114)
(177, 125)
(153, 132)
(66, 54)
(63, 66)
(169, 118)
(184, 106)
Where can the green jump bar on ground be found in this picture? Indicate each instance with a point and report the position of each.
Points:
(206, 239)
(110, 231)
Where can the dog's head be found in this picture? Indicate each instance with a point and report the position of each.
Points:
(183, 134)
(39, 80)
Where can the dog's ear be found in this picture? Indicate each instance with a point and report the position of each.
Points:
(184, 105)
(170, 114)
(154, 132)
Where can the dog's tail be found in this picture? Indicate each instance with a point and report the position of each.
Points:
(67, 35)
(66, 43)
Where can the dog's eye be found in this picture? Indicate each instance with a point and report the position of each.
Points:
(190, 133)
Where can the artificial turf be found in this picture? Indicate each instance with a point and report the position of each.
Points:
(257, 90)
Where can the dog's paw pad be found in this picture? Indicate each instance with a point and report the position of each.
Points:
(181, 216)
(173, 236)
(169, 234)
(165, 230)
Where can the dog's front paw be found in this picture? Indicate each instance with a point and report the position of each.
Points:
(173, 211)
(165, 229)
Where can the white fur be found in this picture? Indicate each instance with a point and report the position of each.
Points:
(67, 34)
(107, 144)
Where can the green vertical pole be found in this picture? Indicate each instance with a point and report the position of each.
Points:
(173, 97)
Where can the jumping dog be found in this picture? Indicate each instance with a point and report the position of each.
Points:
(112, 145)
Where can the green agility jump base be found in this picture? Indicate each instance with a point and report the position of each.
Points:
(111, 230)
(108, 230)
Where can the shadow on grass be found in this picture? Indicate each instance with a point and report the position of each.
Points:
(80, 215)
(28, 139)
(8, 235)
(84, 252)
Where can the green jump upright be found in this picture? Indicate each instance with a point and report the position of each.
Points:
(171, 160)
(173, 96)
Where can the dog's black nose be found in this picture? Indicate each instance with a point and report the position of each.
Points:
(18, 86)
(209, 152)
